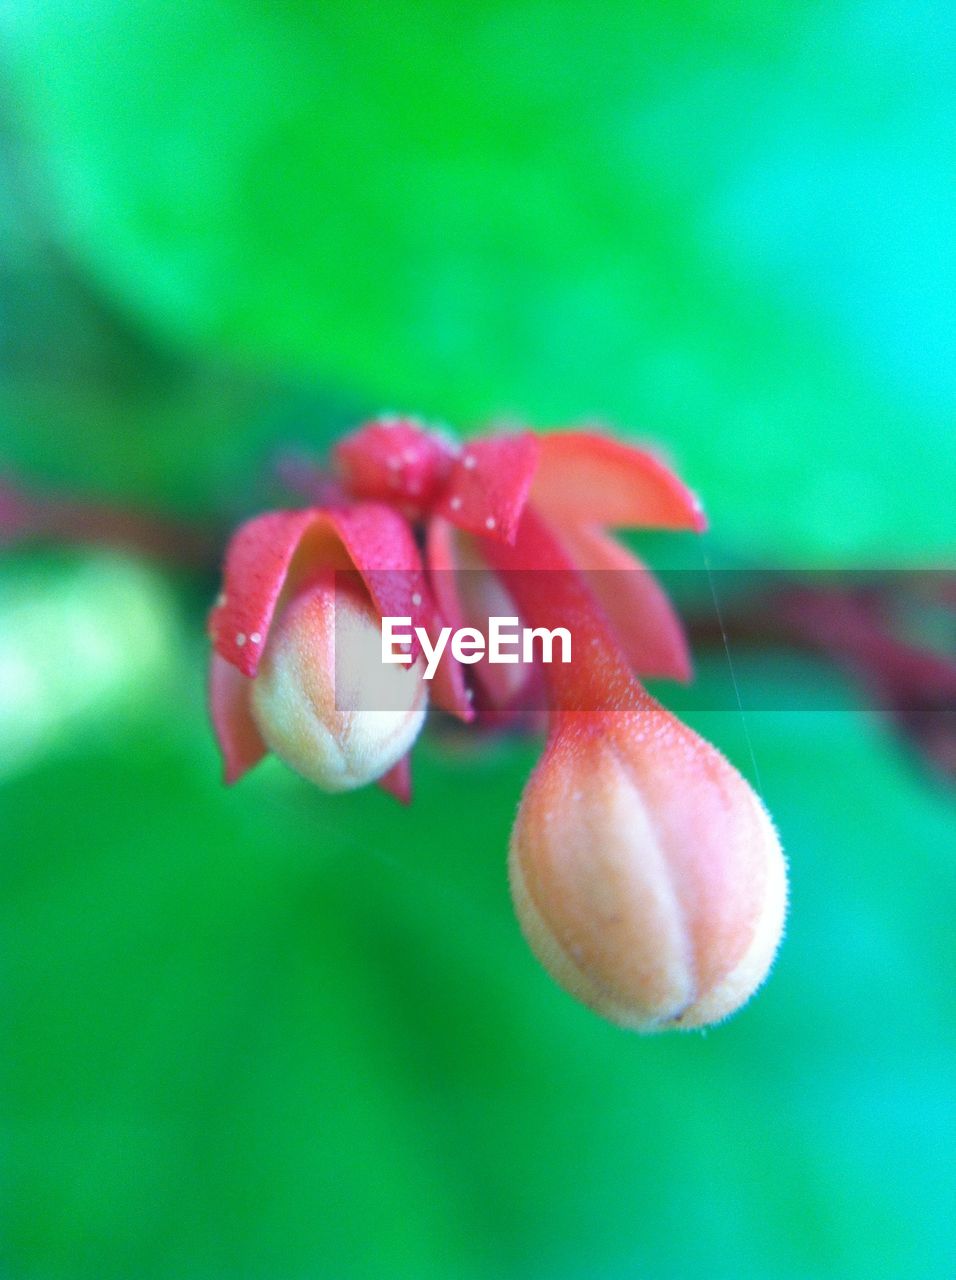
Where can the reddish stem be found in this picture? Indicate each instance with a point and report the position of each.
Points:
(853, 627)
(28, 517)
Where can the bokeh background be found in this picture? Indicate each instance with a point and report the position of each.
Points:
(262, 1033)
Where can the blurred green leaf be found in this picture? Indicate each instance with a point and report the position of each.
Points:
(83, 638)
(262, 1032)
(91, 408)
(725, 227)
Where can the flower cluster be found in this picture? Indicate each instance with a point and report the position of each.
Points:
(645, 872)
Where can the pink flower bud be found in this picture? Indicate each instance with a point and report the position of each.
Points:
(646, 874)
(340, 722)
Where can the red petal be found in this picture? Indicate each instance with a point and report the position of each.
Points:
(468, 592)
(489, 485)
(551, 592)
(586, 478)
(443, 561)
(398, 781)
(395, 460)
(636, 605)
(284, 549)
(257, 564)
(236, 731)
(383, 549)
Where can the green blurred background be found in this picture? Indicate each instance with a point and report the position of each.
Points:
(267, 1035)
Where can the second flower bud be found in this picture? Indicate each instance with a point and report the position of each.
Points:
(322, 700)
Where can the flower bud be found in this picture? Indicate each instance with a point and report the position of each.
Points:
(341, 719)
(646, 874)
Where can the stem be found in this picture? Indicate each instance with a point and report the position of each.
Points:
(29, 517)
(853, 627)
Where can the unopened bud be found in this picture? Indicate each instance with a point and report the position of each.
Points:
(646, 874)
(323, 700)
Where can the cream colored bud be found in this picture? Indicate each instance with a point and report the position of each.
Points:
(646, 874)
(343, 723)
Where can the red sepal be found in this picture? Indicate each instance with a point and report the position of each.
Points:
(636, 605)
(587, 478)
(489, 485)
(552, 592)
(239, 741)
(468, 592)
(284, 549)
(398, 781)
(395, 460)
